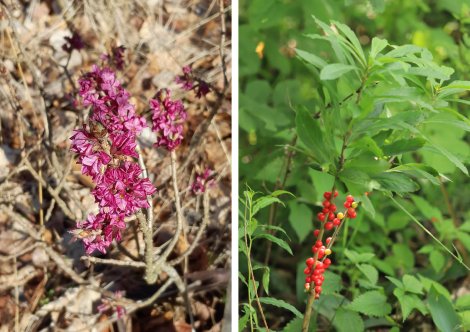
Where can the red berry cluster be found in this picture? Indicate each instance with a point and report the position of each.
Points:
(316, 265)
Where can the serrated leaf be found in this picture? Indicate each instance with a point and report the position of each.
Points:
(348, 321)
(372, 303)
(357, 258)
(442, 312)
(332, 284)
(280, 242)
(335, 70)
(412, 284)
(408, 302)
(370, 272)
(281, 304)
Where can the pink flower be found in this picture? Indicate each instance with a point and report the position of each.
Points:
(82, 141)
(168, 116)
(122, 190)
(124, 144)
(202, 182)
(189, 82)
(94, 164)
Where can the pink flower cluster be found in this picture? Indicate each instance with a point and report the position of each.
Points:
(189, 82)
(106, 149)
(202, 182)
(168, 117)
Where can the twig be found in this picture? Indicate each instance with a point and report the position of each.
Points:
(115, 262)
(222, 42)
(150, 271)
(17, 298)
(51, 191)
(202, 227)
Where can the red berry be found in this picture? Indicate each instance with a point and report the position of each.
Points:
(308, 279)
(318, 282)
(307, 271)
(327, 195)
(335, 193)
(310, 261)
(322, 278)
(328, 239)
(321, 253)
(319, 266)
(321, 216)
(349, 198)
(314, 249)
(347, 204)
(327, 262)
(318, 289)
(331, 216)
(325, 210)
(318, 272)
(318, 243)
(332, 208)
(326, 204)
(317, 296)
(351, 210)
(353, 215)
(316, 232)
(328, 225)
(336, 222)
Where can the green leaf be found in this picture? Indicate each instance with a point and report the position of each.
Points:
(281, 304)
(335, 70)
(357, 258)
(412, 284)
(402, 146)
(311, 135)
(370, 272)
(437, 260)
(311, 58)
(452, 158)
(377, 46)
(408, 302)
(348, 321)
(442, 312)
(266, 279)
(280, 242)
(396, 182)
(367, 205)
(243, 321)
(351, 36)
(333, 283)
(372, 303)
(263, 202)
(300, 217)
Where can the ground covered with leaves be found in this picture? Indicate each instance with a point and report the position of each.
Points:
(46, 281)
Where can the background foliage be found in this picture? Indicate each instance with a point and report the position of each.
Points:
(387, 271)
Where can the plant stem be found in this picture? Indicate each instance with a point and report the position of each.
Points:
(311, 292)
(250, 270)
(279, 185)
